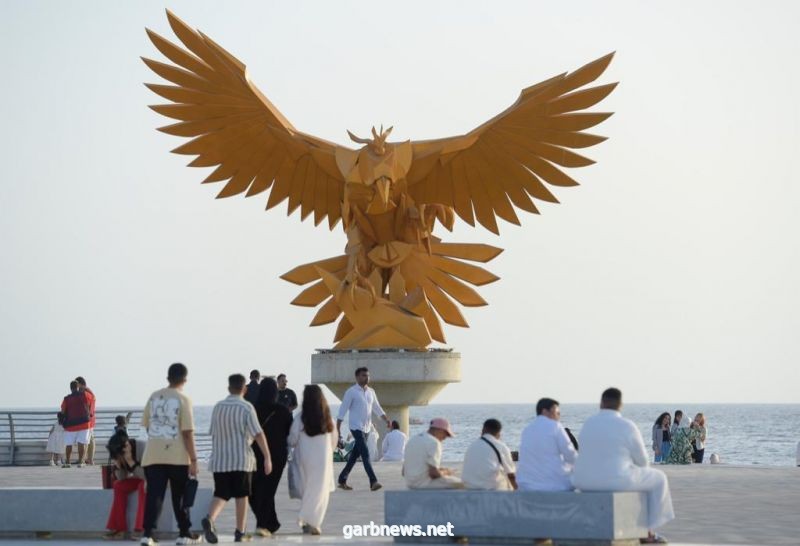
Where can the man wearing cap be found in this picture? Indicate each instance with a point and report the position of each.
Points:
(424, 455)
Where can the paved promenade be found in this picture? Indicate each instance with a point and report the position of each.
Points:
(716, 504)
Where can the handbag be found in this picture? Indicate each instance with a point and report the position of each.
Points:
(189, 493)
(294, 479)
(108, 475)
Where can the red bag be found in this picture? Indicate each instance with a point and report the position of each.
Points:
(107, 471)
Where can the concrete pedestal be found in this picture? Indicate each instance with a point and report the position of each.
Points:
(400, 378)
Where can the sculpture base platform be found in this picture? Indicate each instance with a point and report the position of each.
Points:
(400, 378)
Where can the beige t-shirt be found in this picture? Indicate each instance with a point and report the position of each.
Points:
(167, 414)
(482, 468)
(421, 450)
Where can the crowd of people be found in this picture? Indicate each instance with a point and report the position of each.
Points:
(251, 430)
(678, 441)
(612, 457)
(255, 438)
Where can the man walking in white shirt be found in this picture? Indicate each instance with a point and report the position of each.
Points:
(546, 454)
(360, 400)
(394, 444)
(613, 458)
(487, 462)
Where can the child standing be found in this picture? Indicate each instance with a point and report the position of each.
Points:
(55, 441)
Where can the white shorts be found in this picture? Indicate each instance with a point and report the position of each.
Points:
(72, 437)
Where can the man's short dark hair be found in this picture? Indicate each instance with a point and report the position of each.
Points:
(361, 369)
(492, 426)
(236, 382)
(255, 374)
(73, 386)
(395, 425)
(611, 399)
(281, 375)
(545, 404)
(81, 381)
(177, 373)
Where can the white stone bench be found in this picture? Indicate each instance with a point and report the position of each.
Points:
(84, 511)
(569, 518)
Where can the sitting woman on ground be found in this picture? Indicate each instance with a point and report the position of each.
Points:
(699, 424)
(662, 439)
(126, 455)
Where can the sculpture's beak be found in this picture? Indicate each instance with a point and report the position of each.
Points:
(382, 185)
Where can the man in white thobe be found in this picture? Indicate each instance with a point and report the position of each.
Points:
(613, 458)
(488, 463)
(394, 444)
(546, 454)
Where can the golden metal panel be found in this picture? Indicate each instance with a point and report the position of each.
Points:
(470, 273)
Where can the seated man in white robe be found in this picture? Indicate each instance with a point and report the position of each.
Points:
(488, 463)
(423, 457)
(546, 454)
(394, 443)
(613, 458)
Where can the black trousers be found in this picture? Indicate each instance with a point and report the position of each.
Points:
(262, 500)
(158, 476)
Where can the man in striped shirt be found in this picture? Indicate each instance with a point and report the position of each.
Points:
(234, 426)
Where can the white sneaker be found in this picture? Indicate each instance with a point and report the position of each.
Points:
(194, 539)
(148, 541)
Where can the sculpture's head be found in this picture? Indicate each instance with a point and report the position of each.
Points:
(379, 165)
(376, 144)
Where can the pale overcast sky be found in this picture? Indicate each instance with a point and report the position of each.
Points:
(671, 272)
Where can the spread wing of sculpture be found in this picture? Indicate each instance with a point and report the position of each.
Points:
(396, 280)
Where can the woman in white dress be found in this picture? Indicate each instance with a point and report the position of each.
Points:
(313, 440)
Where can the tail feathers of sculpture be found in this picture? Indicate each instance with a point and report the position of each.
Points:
(401, 306)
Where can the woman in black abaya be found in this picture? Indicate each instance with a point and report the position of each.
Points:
(276, 420)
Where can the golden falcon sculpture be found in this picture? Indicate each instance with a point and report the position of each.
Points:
(395, 279)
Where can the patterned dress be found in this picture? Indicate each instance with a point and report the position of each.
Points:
(682, 445)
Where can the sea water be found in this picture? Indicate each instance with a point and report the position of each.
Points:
(745, 434)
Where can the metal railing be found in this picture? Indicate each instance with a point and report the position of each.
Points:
(24, 435)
